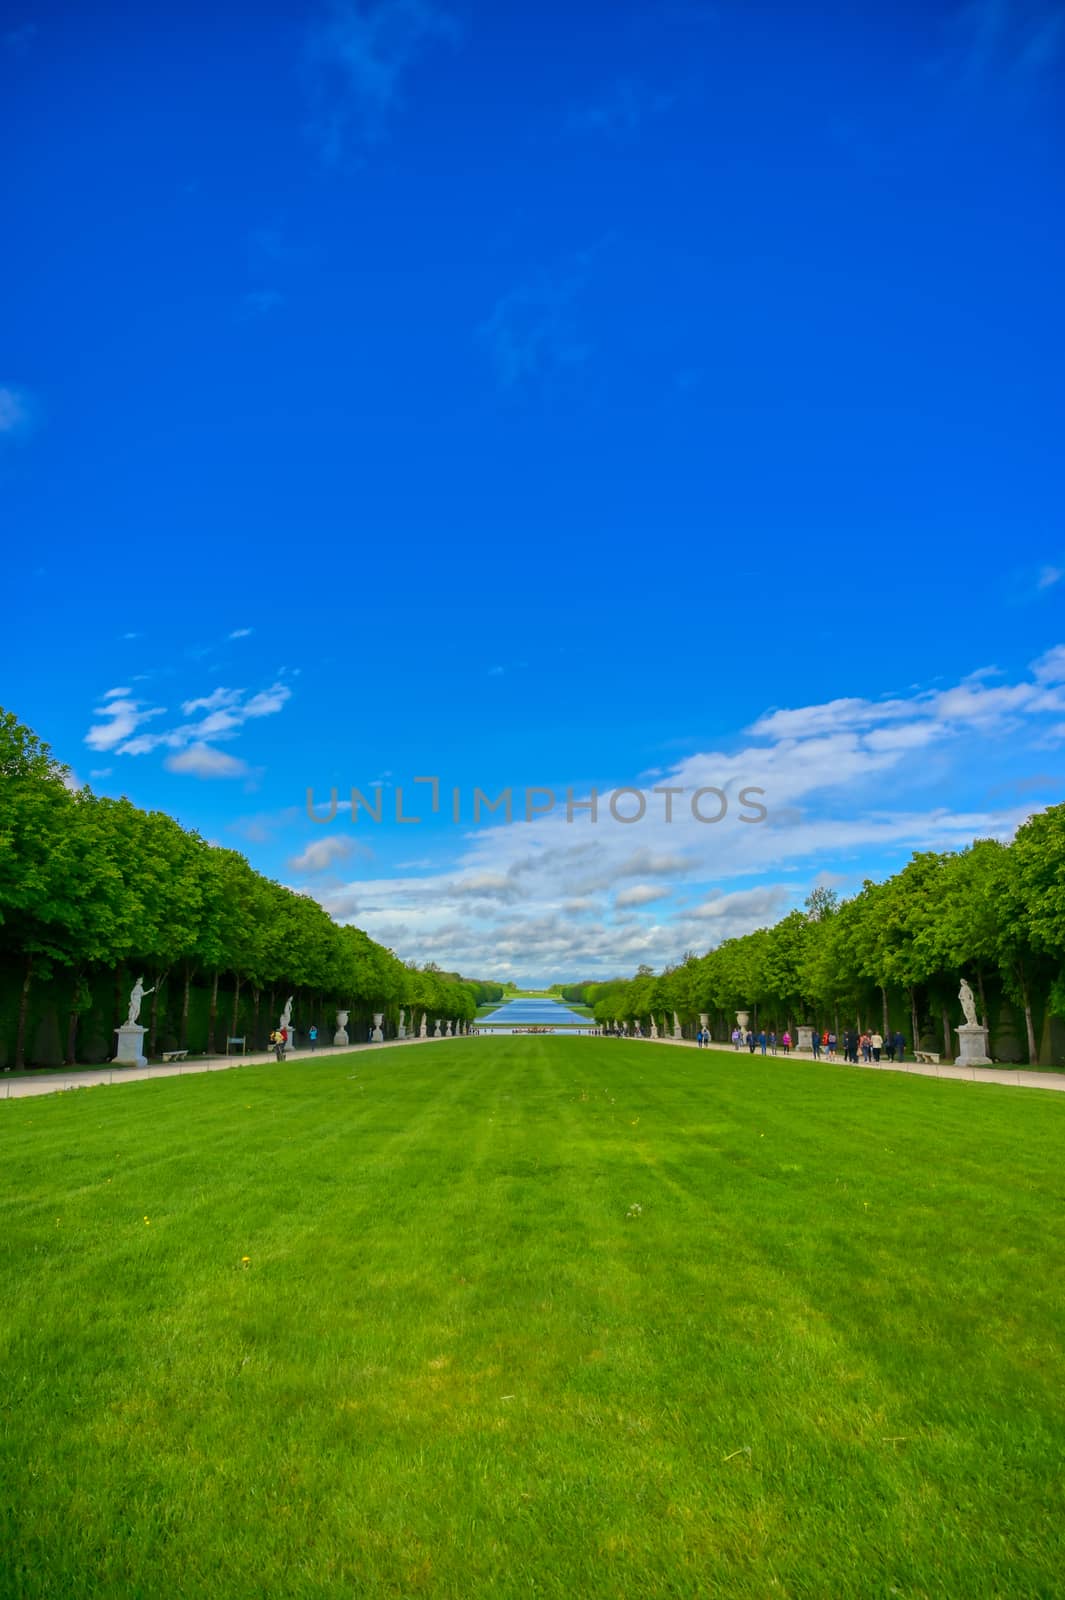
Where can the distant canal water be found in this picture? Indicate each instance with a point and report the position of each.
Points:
(532, 1014)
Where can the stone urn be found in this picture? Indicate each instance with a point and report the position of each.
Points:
(436, 1031)
(742, 1019)
(377, 1036)
(341, 1035)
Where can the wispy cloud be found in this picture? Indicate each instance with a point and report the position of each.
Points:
(619, 113)
(201, 761)
(18, 411)
(259, 303)
(533, 334)
(242, 633)
(1049, 576)
(358, 60)
(1016, 42)
(219, 715)
(121, 719)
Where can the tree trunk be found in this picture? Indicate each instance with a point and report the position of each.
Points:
(236, 1007)
(183, 1041)
(983, 997)
(1033, 1053)
(255, 1020)
(71, 1055)
(214, 1013)
(947, 1048)
(913, 1020)
(160, 979)
(121, 1002)
(23, 1009)
(885, 1024)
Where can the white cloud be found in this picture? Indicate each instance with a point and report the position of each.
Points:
(555, 899)
(1050, 666)
(116, 694)
(201, 761)
(641, 894)
(1049, 576)
(242, 633)
(100, 772)
(225, 713)
(212, 701)
(123, 717)
(321, 854)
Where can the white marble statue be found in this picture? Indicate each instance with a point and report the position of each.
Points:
(654, 1028)
(286, 1015)
(402, 1034)
(436, 1031)
(968, 1004)
(676, 1026)
(448, 1034)
(137, 994)
(423, 1031)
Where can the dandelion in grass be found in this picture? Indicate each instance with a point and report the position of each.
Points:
(245, 1262)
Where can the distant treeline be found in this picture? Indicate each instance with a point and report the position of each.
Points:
(892, 957)
(94, 892)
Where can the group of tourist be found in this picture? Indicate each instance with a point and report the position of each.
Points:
(766, 1042)
(854, 1046)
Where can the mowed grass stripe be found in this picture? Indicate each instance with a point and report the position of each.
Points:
(823, 1359)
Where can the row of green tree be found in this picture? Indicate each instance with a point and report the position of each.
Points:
(94, 892)
(891, 957)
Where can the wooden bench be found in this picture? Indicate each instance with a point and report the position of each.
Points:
(927, 1058)
(174, 1055)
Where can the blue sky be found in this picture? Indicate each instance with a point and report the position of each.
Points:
(570, 396)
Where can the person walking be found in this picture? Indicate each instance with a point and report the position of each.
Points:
(889, 1046)
(772, 1043)
(751, 1041)
(830, 1040)
(876, 1044)
(786, 1042)
(312, 1034)
(735, 1038)
(816, 1043)
(900, 1047)
(762, 1040)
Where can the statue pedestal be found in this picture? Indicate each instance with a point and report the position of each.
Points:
(341, 1037)
(972, 1037)
(130, 1040)
(377, 1036)
(806, 1037)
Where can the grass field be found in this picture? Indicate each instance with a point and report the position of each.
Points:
(534, 1317)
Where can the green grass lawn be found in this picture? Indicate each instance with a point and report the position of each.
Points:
(821, 1357)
